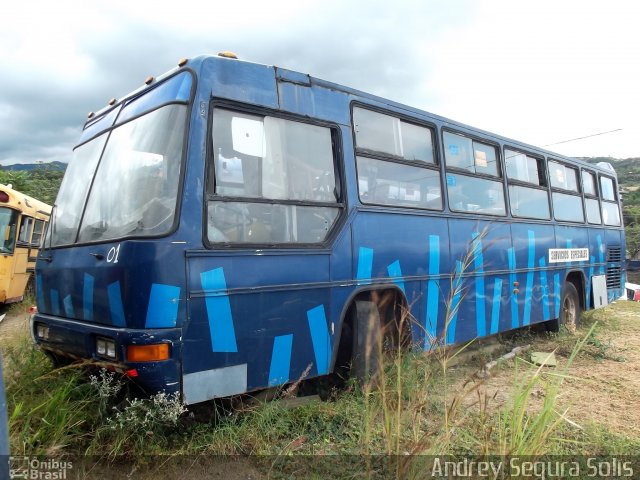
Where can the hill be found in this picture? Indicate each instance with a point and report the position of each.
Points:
(28, 167)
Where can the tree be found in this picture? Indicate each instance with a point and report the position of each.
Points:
(42, 183)
(632, 234)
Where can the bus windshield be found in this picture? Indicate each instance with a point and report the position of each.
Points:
(8, 218)
(135, 187)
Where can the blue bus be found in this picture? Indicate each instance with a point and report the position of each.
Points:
(230, 227)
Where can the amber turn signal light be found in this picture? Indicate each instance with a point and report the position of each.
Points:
(148, 353)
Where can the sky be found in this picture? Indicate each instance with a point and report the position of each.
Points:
(542, 72)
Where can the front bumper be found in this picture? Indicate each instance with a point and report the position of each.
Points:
(77, 340)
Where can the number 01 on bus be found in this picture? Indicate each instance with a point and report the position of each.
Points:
(230, 227)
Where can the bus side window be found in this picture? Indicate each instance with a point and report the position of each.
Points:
(26, 228)
(38, 228)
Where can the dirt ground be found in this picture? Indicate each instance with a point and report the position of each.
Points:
(603, 383)
(14, 324)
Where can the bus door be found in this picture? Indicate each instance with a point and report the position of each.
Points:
(260, 296)
(256, 319)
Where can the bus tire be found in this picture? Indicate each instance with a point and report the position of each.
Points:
(569, 307)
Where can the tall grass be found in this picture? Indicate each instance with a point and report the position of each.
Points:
(416, 405)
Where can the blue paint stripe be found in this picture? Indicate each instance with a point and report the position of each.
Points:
(365, 264)
(394, 271)
(434, 255)
(546, 313)
(320, 338)
(162, 311)
(39, 293)
(481, 320)
(526, 318)
(55, 302)
(515, 321)
(455, 304)
(600, 253)
(495, 311)
(87, 297)
(115, 305)
(68, 307)
(593, 260)
(556, 293)
(431, 323)
(280, 360)
(221, 328)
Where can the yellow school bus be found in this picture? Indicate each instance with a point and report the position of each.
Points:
(23, 220)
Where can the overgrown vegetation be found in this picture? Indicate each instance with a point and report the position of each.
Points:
(415, 407)
(41, 183)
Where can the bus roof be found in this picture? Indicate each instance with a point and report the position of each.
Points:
(282, 74)
(26, 204)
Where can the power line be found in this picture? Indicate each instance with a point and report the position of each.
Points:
(582, 138)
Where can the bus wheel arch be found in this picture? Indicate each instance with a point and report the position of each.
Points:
(374, 320)
(572, 302)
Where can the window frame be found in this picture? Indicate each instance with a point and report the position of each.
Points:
(498, 178)
(395, 159)
(209, 184)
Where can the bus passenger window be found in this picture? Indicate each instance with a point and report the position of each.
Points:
(610, 210)
(265, 163)
(38, 228)
(8, 220)
(469, 190)
(24, 236)
(528, 195)
(472, 155)
(386, 134)
(390, 183)
(475, 195)
(563, 177)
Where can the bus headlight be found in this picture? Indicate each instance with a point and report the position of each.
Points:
(106, 347)
(42, 331)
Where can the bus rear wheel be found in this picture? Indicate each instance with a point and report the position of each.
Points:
(569, 307)
(381, 326)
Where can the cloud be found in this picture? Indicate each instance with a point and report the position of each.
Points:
(539, 71)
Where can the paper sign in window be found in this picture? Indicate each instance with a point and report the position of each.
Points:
(481, 158)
